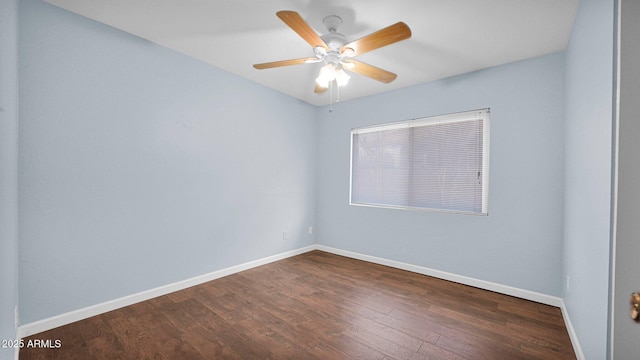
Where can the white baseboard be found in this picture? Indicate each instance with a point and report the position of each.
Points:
(80, 314)
(481, 284)
(76, 315)
(572, 332)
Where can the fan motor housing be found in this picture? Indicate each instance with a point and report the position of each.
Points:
(334, 41)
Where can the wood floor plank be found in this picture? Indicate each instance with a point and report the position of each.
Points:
(434, 352)
(318, 306)
(474, 347)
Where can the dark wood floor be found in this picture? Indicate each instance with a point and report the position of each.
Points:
(318, 306)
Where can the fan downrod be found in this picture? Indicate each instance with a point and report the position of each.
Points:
(332, 23)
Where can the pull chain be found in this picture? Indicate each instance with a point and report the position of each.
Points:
(331, 85)
(331, 96)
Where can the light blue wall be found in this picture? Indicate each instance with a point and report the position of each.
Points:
(588, 149)
(140, 167)
(520, 243)
(8, 171)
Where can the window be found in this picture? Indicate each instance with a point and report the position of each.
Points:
(437, 163)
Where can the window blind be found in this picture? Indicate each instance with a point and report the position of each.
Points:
(438, 163)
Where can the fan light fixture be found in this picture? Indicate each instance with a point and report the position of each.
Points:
(331, 72)
(336, 53)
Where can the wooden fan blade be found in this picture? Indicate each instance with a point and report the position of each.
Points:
(387, 36)
(273, 64)
(319, 89)
(370, 71)
(297, 23)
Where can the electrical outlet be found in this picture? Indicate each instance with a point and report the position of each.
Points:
(284, 235)
(568, 284)
(310, 230)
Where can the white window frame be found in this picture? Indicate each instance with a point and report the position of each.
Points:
(481, 114)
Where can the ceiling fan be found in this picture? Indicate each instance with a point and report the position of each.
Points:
(336, 53)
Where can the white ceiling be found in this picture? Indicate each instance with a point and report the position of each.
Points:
(449, 37)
